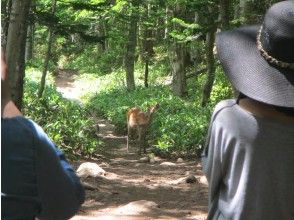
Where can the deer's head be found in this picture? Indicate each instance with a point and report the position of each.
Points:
(153, 109)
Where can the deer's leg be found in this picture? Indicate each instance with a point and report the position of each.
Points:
(132, 133)
(144, 143)
(142, 139)
(128, 134)
(139, 142)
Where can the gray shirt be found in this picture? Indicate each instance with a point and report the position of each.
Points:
(249, 164)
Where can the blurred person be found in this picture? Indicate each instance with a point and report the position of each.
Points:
(36, 179)
(249, 155)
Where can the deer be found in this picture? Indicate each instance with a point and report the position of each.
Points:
(139, 121)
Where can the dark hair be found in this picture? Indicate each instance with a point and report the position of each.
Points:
(241, 96)
(285, 110)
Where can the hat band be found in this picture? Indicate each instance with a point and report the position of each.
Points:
(269, 58)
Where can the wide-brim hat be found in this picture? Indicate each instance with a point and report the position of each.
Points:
(259, 59)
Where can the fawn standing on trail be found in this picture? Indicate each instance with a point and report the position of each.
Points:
(140, 121)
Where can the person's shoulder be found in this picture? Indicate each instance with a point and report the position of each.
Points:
(29, 125)
(229, 116)
(18, 122)
(42, 142)
(21, 129)
(222, 106)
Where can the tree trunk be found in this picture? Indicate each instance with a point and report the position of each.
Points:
(131, 49)
(30, 35)
(168, 15)
(242, 6)
(178, 51)
(48, 55)
(224, 14)
(5, 13)
(146, 75)
(177, 61)
(210, 36)
(15, 48)
(245, 11)
(29, 43)
(104, 33)
(147, 43)
(160, 31)
(101, 29)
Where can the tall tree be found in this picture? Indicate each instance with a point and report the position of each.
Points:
(30, 34)
(167, 20)
(252, 11)
(48, 54)
(29, 43)
(5, 13)
(224, 14)
(15, 47)
(210, 66)
(210, 62)
(177, 55)
(147, 41)
(131, 45)
(177, 62)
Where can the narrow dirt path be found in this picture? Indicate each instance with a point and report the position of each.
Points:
(136, 189)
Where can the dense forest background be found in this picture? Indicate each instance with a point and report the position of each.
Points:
(129, 53)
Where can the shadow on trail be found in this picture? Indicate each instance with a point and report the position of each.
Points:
(132, 189)
(136, 190)
(129, 181)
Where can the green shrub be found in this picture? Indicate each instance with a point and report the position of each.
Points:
(180, 125)
(65, 122)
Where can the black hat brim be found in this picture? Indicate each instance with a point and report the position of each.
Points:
(249, 72)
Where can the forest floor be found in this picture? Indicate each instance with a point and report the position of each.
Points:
(133, 188)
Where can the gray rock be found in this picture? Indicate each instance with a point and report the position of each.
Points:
(191, 179)
(167, 164)
(89, 169)
(180, 160)
(152, 160)
(144, 160)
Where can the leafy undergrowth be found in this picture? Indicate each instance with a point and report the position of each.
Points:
(66, 122)
(178, 127)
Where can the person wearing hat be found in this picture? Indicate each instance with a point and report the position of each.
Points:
(249, 154)
(36, 179)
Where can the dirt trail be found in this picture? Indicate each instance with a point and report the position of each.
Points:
(135, 190)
